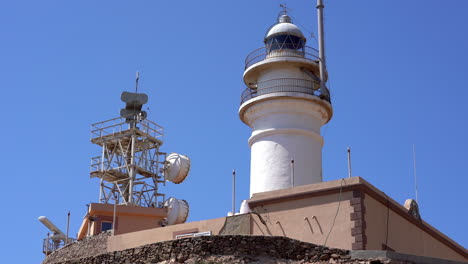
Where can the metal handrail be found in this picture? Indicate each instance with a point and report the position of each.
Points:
(266, 52)
(49, 245)
(283, 85)
(119, 124)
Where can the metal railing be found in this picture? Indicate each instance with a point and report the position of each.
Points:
(49, 245)
(266, 52)
(283, 85)
(120, 124)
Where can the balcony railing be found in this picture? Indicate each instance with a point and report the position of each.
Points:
(284, 85)
(266, 53)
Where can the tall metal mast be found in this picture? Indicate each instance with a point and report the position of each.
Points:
(323, 89)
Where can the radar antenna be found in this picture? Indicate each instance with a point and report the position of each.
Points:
(131, 165)
(56, 240)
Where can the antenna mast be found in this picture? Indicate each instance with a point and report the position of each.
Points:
(136, 81)
(323, 89)
(349, 163)
(414, 174)
(233, 192)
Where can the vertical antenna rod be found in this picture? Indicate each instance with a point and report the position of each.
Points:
(233, 192)
(349, 163)
(414, 174)
(292, 171)
(68, 228)
(136, 81)
(320, 6)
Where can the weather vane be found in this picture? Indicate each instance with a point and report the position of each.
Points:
(285, 9)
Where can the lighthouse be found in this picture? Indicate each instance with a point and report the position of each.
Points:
(285, 104)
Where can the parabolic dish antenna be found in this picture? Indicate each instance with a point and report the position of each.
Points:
(176, 168)
(178, 211)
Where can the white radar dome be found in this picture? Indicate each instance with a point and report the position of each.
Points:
(178, 211)
(176, 168)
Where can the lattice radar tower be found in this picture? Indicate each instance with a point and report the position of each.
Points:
(131, 165)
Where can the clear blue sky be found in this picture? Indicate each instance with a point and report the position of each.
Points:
(397, 73)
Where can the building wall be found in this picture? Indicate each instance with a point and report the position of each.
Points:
(309, 219)
(384, 226)
(139, 238)
(128, 218)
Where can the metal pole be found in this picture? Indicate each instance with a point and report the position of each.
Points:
(132, 171)
(414, 173)
(323, 89)
(349, 163)
(292, 171)
(136, 82)
(115, 211)
(68, 227)
(89, 221)
(233, 192)
(101, 191)
(47, 244)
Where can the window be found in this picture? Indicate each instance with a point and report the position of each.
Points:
(106, 226)
(285, 41)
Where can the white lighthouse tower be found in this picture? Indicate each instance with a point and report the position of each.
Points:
(285, 103)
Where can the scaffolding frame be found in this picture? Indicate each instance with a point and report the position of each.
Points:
(131, 165)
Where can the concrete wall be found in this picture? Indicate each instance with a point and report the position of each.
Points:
(384, 226)
(135, 239)
(309, 219)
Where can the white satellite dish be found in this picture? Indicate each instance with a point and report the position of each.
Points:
(178, 211)
(176, 168)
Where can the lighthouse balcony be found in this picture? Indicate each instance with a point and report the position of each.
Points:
(272, 51)
(283, 85)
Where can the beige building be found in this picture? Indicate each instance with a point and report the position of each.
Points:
(348, 213)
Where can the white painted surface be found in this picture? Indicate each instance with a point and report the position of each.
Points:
(244, 208)
(288, 28)
(285, 129)
(285, 123)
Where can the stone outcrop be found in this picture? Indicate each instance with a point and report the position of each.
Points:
(208, 249)
(88, 247)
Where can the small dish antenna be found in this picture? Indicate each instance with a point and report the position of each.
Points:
(176, 168)
(178, 211)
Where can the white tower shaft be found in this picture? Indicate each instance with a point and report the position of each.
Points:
(284, 130)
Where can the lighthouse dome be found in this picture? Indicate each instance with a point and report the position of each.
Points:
(284, 35)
